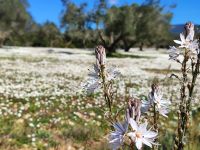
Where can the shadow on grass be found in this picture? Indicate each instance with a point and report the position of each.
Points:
(118, 55)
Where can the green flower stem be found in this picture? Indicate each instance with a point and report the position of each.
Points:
(106, 88)
(155, 122)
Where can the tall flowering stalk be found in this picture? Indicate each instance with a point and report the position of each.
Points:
(102, 77)
(190, 61)
(152, 97)
(159, 106)
(100, 62)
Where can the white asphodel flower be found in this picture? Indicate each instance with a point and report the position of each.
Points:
(173, 53)
(184, 42)
(94, 81)
(145, 106)
(141, 135)
(187, 41)
(91, 85)
(112, 73)
(194, 47)
(162, 105)
(116, 138)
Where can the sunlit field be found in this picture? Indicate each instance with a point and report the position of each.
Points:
(43, 105)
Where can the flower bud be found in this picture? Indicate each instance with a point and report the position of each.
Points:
(134, 109)
(155, 88)
(100, 55)
(189, 31)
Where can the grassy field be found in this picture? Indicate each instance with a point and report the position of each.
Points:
(43, 106)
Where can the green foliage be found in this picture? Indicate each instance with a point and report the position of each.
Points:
(123, 26)
(14, 19)
(13, 14)
(81, 133)
(153, 25)
(74, 22)
(47, 35)
(120, 25)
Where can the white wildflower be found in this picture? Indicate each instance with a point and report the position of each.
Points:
(112, 73)
(187, 41)
(173, 53)
(116, 138)
(141, 135)
(161, 104)
(94, 81)
(156, 97)
(145, 106)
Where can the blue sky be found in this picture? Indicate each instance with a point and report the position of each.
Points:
(43, 10)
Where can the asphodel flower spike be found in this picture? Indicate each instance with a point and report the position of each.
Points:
(100, 55)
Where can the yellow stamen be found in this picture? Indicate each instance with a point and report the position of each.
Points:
(138, 135)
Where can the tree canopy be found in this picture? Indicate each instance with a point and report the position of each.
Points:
(123, 26)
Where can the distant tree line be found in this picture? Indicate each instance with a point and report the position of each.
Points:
(115, 27)
(18, 28)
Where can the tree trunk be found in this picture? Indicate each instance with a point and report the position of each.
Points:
(126, 47)
(1, 43)
(157, 47)
(141, 46)
(111, 48)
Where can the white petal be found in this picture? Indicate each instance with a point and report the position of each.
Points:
(143, 127)
(190, 36)
(118, 127)
(178, 42)
(115, 144)
(112, 73)
(93, 75)
(92, 87)
(182, 37)
(184, 46)
(146, 142)
(146, 105)
(139, 143)
(96, 68)
(125, 125)
(150, 134)
(133, 124)
(145, 108)
(156, 97)
(150, 98)
(160, 96)
(163, 114)
(167, 102)
(131, 135)
(114, 140)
